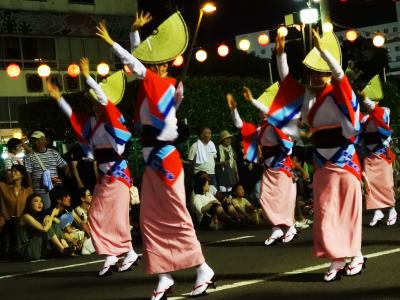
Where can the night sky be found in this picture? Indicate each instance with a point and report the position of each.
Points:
(234, 17)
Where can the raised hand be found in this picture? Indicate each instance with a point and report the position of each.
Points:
(230, 101)
(103, 33)
(279, 44)
(317, 40)
(53, 90)
(141, 20)
(247, 94)
(84, 63)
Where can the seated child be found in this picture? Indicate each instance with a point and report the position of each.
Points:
(75, 236)
(244, 208)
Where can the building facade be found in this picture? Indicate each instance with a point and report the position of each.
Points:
(57, 33)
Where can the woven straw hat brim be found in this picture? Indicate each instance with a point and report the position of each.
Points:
(373, 89)
(314, 61)
(269, 94)
(113, 86)
(166, 43)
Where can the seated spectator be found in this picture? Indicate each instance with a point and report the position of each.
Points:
(72, 235)
(207, 208)
(211, 188)
(244, 208)
(61, 200)
(12, 204)
(80, 212)
(34, 233)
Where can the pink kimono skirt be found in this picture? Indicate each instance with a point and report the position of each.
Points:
(169, 240)
(380, 177)
(109, 217)
(278, 197)
(337, 213)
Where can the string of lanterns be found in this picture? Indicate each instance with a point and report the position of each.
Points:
(263, 40)
(13, 70)
(73, 70)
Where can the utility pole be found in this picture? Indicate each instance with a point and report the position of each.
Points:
(324, 11)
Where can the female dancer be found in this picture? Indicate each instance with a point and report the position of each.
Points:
(169, 239)
(378, 164)
(278, 190)
(104, 136)
(331, 110)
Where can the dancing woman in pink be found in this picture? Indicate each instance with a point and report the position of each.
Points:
(103, 136)
(278, 190)
(331, 110)
(378, 164)
(169, 240)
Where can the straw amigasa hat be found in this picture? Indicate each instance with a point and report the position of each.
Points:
(373, 89)
(113, 86)
(166, 43)
(314, 60)
(224, 135)
(269, 94)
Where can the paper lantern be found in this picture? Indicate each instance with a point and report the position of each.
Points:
(351, 35)
(13, 70)
(178, 61)
(73, 70)
(223, 50)
(43, 70)
(263, 39)
(201, 55)
(244, 44)
(103, 69)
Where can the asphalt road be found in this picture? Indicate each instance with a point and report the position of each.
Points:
(244, 267)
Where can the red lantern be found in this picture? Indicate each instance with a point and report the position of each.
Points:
(263, 39)
(13, 70)
(73, 70)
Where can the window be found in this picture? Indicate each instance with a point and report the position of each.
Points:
(262, 51)
(14, 104)
(34, 48)
(397, 58)
(10, 48)
(395, 29)
(397, 48)
(4, 113)
(9, 111)
(386, 30)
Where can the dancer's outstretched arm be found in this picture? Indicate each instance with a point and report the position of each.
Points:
(337, 71)
(248, 96)
(127, 58)
(140, 20)
(237, 121)
(281, 58)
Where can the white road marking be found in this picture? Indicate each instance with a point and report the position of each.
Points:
(102, 260)
(279, 275)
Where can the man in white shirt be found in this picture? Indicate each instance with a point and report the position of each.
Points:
(202, 154)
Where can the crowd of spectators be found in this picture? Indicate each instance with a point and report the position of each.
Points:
(45, 197)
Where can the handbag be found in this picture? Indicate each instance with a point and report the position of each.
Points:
(46, 176)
